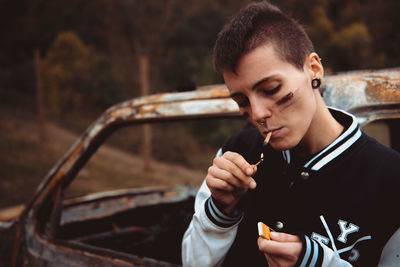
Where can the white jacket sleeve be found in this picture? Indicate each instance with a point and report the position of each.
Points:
(390, 254)
(313, 250)
(315, 253)
(210, 233)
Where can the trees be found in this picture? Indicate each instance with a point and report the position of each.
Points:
(76, 78)
(351, 34)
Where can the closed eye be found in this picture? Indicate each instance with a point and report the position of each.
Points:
(272, 91)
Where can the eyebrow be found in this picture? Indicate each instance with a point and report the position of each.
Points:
(257, 84)
(260, 82)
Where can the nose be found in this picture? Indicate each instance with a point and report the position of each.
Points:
(260, 110)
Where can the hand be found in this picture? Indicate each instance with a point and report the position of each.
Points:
(229, 178)
(282, 250)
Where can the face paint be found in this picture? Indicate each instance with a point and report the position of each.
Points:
(286, 100)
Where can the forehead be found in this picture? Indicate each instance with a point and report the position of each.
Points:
(260, 63)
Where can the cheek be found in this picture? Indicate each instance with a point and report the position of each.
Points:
(302, 113)
(299, 112)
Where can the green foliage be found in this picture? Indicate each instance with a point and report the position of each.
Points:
(352, 44)
(66, 74)
(76, 77)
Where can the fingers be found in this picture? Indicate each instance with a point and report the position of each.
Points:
(289, 249)
(240, 162)
(283, 237)
(234, 169)
(272, 261)
(229, 178)
(225, 176)
(219, 184)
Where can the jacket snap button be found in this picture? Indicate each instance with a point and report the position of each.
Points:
(304, 175)
(279, 225)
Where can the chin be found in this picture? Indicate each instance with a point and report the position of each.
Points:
(282, 145)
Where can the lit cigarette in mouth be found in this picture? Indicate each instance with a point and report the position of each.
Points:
(266, 140)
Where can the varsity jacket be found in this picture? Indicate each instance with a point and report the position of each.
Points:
(342, 203)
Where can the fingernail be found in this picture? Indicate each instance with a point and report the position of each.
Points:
(249, 171)
(253, 184)
(274, 235)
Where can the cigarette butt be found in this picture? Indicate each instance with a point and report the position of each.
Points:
(266, 140)
(263, 231)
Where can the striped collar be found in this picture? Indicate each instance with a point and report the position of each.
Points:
(349, 136)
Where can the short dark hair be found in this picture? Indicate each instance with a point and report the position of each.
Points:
(256, 25)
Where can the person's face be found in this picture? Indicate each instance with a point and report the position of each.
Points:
(271, 90)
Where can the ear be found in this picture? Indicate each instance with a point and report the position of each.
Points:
(314, 67)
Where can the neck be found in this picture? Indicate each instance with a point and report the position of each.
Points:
(324, 129)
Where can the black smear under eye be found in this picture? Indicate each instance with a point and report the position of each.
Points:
(285, 99)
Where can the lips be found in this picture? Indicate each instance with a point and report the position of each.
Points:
(275, 132)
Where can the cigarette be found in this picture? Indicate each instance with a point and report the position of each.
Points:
(266, 140)
(264, 231)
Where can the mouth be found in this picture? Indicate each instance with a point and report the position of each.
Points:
(274, 132)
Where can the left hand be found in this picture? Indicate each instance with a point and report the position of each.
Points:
(282, 250)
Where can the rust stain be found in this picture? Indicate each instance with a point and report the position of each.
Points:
(11, 212)
(123, 112)
(385, 90)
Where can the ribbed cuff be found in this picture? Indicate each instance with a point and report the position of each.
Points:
(218, 217)
(312, 253)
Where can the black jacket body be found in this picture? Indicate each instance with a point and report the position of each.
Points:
(353, 186)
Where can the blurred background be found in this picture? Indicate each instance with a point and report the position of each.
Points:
(63, 62)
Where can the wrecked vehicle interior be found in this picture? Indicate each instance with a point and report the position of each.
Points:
(144, 226)
(130, 223)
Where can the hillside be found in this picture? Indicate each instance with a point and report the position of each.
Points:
(25, 160)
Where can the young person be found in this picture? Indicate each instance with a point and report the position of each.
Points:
(324, 187)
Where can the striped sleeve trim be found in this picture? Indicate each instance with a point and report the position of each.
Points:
(218, 217)
(312, 253)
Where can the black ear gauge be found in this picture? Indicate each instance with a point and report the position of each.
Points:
(315, 83)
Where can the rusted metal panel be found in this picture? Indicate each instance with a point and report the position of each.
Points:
(351, 91)
(11, 213)
(107, 204)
